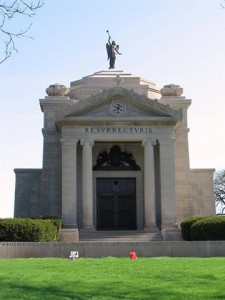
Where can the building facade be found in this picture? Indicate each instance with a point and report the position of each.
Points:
(115, 157)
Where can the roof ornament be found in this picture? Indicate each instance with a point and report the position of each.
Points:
(57, 90)
(171, 90)
(112, 51)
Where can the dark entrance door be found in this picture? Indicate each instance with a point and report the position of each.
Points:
(116, 203)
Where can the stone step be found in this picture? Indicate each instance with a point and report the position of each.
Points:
(114, 236)
(118, 232)
(121, 239)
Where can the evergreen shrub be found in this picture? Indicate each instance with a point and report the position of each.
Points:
(28, 230)
(186, 227)
(56, 221)
(209, 229)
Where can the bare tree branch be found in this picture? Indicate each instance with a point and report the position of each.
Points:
(8, 13)
(219, 190)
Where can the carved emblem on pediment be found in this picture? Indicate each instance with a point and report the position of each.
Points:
(118, 108)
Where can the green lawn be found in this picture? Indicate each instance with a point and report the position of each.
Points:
(113, 278)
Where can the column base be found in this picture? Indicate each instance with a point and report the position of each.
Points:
(169, 225)
(151, 228)
(69, 235)
(87, 228)
(172, 234)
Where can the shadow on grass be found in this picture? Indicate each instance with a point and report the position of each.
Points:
(78, 290)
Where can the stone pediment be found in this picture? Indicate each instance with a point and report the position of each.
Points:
(118, 104)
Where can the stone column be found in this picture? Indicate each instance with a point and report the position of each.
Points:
(69, 182)
(87, 184)
(149, 184)
(167, 174)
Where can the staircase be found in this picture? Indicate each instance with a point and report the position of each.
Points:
(120, 236)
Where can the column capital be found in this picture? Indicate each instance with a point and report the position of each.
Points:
(69, 141)
(146, 142)
(86, 141)
(182, 130)
(166, 141)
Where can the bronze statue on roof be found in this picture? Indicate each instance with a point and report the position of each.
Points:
(112, 51)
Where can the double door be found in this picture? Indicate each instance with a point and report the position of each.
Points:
(116, 203)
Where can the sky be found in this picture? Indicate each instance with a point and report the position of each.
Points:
(166, 41)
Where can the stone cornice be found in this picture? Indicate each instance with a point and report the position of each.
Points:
(206, 170)
(56, 102)
(176, 102)
(27, 170)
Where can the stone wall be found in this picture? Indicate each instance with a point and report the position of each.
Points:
(27, 192)
(51, 179)
(116, 249)
(202, 192)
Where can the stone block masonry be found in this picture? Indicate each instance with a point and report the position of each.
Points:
(115, 249)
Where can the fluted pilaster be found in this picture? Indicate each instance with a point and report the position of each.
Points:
(87, 184)
(167, 174)
(149, 184)
(69, 182)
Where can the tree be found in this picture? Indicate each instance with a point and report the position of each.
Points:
(14, 10)
(219, 190)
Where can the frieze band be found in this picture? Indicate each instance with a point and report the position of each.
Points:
(117, 130)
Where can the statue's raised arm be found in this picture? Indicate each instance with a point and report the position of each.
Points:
(112, 50)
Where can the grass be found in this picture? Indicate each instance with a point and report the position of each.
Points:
(113, 278)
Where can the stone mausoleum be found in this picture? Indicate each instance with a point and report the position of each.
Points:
(115, 158)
